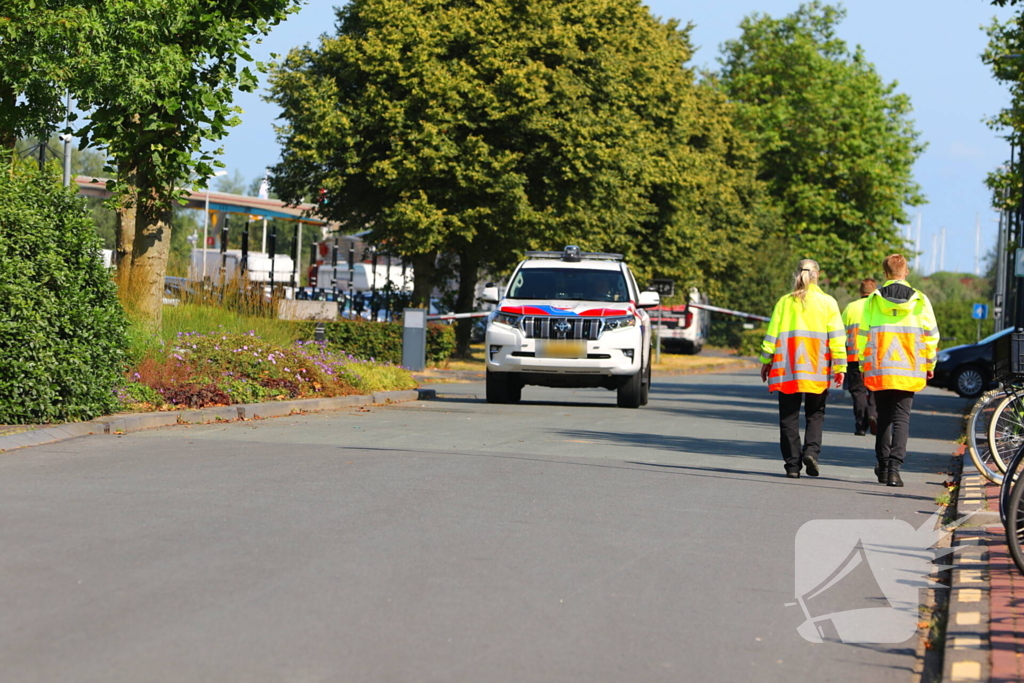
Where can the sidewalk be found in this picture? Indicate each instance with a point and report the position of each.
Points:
(985, 627)
(25, 436)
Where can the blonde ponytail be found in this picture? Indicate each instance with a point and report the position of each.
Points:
(806, 275)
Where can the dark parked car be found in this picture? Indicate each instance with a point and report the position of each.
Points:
(967, 369)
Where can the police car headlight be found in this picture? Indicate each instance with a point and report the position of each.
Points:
(619, 323)
(507, 319)
(943, 357)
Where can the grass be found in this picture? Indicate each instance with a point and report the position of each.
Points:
(206, 319)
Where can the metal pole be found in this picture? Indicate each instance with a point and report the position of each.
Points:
(206, 221)
(1018, 290)
(351, 274)
(67, 141)
(264, 245)
(244, 265)
(657, 340)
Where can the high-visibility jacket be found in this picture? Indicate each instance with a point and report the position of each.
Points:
(805, 343)
(898, 338)
(852, 314)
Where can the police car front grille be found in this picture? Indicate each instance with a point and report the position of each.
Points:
(547, 327)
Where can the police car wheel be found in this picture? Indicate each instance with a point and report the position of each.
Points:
(630, 393)
(503, 387)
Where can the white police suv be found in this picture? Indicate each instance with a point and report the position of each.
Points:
(570, 319)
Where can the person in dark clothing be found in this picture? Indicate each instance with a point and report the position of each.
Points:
(864, 414)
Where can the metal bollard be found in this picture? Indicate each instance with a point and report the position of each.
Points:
(414, 338)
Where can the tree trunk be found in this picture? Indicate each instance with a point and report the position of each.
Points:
(8, 109)
(424, 271)
(469, 269)
(125, 238)
(149, 262)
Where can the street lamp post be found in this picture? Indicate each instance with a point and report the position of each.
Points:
(206, 219)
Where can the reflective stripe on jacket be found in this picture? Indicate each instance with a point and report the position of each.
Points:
(898, 340)
(852, 315)
(805, 343)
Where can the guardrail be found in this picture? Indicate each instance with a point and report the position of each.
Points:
(458, 316)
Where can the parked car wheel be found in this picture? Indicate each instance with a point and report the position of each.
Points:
(969, 381)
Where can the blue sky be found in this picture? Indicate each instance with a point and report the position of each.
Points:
(930, 48)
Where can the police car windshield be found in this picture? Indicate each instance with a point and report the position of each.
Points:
(569, 284)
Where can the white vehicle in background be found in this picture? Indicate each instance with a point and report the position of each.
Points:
(682, 329)
(570, 319)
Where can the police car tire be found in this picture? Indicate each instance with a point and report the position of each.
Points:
(645, 392)
(501, 387)
(630, 393)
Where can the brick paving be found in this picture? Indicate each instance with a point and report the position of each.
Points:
(1006, 596)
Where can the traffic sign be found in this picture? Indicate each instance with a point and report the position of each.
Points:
(663, 287)
(980, 312)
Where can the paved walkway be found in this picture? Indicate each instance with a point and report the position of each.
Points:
(985, 628)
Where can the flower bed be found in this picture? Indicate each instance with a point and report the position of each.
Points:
(201, 370)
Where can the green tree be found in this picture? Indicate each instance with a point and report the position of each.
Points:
(42, 47)
(835, 142)
(1003, 55)
(485, 129)
(162, 92)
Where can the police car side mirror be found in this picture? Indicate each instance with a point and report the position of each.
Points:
(490, 295)
(649, 300)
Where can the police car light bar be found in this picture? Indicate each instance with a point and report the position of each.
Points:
(572, 253)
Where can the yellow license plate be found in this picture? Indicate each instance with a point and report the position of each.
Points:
(562, 348)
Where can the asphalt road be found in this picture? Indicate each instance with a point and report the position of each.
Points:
(561, 539)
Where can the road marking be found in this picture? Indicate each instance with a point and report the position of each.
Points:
(969, 595)
(966, 671)
(968, 618)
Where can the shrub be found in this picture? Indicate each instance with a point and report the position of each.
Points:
(366, 340)
(440, 343)
(139, 397)
(750, 342)
(62, 329)
(382, 342)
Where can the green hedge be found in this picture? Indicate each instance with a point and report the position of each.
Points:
(383, 341)
(62, 329)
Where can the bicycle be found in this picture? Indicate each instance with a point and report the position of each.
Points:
(1006, 431)
(977, 435)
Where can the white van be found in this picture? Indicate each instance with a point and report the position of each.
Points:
(682, 329)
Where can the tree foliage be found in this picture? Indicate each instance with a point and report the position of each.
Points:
(485, 129)
(1004, 55)
(835, 143)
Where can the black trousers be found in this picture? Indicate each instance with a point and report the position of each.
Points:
(863, 400)
(789, 426)
(893, 426)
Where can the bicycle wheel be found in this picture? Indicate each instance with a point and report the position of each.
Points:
(1006, 430)
(977, 435)
(1015, 523)
(1011, 475)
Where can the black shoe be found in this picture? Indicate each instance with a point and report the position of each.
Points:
(811, 463)
(859, 432)
(882, 473)
(894, 478)
(793, 475)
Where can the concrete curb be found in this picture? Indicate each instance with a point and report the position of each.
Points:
(968, 647)
(133, 422)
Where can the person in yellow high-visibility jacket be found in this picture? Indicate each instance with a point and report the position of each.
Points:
(897, 343)
(804, 348)
(864, 414)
